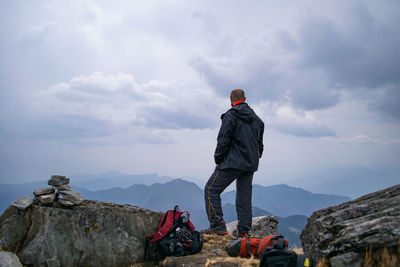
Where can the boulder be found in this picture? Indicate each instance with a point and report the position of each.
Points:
(71, 197)
(91, 234)
(58, 180)
(23, 203)
(360, 229)
(8, 259)
(46, 199)
(14, 224)
(260, 226)
(43, 191)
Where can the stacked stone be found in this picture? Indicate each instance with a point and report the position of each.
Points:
(45, 195)
(59, 188)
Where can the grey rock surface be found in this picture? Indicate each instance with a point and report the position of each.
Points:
(344, 233)
(91, 234)
(46, 199)
(53, 262)
(8, 259)
(261, 226)
(66, 203)
(23, 203)
(43, 191)
(71, 196)
(58, 180)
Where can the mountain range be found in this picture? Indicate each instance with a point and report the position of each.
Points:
(352, 181)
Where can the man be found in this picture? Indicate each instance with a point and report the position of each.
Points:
(239, 147)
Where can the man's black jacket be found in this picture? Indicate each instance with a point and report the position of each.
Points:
(240, 139)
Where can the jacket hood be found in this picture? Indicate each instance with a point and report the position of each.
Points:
(243, 112)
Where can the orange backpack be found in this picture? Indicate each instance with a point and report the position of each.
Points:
(245, 247)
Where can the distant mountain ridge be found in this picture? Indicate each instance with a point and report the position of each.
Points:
(112, 179)
(283, 200)
(347, 180)
(156, 196)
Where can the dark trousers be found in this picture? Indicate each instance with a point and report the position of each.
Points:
(218, 182)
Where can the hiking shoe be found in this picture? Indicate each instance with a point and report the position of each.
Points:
(219, 230)
(236, 233)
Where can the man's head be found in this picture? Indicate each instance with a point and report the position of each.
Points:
(237, 95)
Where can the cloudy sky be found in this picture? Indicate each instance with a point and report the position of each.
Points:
(138, 86)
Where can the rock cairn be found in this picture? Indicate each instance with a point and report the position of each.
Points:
(59, 191)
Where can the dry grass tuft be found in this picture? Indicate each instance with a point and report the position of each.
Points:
(383, 259)
(298, 251)
(324, 262)
(250, 262)
(212, 241)
(387, 259)
(368, 257)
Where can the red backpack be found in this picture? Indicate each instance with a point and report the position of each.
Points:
(176, 235)
(245, 247)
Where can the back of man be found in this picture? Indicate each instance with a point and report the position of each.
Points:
(239, 147)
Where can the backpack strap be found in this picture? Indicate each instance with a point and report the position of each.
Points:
(166, 223)
(280, 243)
(244, 248)
(265, 241)
(191, 227)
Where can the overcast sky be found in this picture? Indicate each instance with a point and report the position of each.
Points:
(139, 86)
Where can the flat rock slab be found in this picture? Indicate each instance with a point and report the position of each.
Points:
(43, 191)
(9, 259)
(46, 199)
(23, 203)
(58, 180)
(71, 196)
(65, 203)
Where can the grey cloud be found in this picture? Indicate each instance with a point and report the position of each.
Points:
(253, 73)
(303, 130)
(387, 102)
(359, 57)
(310, 98)
(350, 59)
(177, 120)
(265, 68)
(351, 50)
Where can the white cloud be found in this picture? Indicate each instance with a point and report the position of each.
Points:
(300, 123)
(118, 100)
